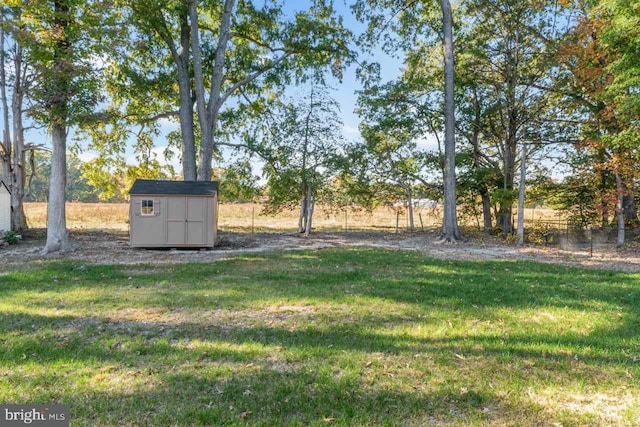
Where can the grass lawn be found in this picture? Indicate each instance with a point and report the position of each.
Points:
(333, 337)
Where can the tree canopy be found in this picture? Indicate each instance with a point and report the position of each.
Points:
(491, 99)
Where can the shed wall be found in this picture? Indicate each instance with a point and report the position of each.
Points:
(178, 221)
(214, 228)
(147, 231)
(5, 209)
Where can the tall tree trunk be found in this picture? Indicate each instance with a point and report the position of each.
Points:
(209, 121)
(18, 173)
(186, 126)
(407, 193)
(620, 211)
(306, 184)
(511, 142)
(181, 58)
(486, 210)
(12, 153)
(506, 205)
(198, 77)
(57, 239)
(5, 143)
(475, 142)
(509, 172)
(302, 218)
(217, 98)
(450, 231)
(18, 168)
(521, 190)
(311, 203)
(180, 55)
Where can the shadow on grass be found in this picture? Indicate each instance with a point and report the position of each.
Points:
(291, 398)
(210, 369)
(49, 340)
(170, 384)
(466, 289)
(332, 276)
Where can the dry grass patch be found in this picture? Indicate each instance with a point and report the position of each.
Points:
(248, 217)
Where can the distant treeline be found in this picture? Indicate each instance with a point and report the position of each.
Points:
(78, 188)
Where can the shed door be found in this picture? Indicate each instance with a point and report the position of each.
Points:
(176, 216)
(196, 229)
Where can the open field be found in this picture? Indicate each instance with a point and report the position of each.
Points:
(247, 216)
(329, 337)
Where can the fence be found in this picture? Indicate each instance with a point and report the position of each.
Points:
(248, 217)
(542, 227)
(572, 236)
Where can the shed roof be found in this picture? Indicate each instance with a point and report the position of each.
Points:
(2, 184)
(187, 188)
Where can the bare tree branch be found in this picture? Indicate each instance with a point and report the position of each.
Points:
(252, 77)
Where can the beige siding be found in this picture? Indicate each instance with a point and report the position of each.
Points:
(196, 225)
(214, 209)
(181, 221)
(147, 230)
(5, 209)
(176, 213)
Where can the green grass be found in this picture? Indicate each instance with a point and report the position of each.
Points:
(333, 337)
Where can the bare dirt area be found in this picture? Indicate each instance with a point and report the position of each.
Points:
(112, 247)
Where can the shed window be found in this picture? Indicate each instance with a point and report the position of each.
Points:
(147, 207)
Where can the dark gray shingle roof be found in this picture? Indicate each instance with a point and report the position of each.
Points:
(188, 188)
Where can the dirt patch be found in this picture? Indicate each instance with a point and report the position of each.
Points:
(112, 247)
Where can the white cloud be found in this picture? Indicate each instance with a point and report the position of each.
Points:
(87, 156)
(428, 142)
(168, 124)
(351, 131)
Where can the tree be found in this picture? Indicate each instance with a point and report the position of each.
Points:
(521, 192)
(238, 183)
(394, 118)
(57, 93)
(395, 167)
(450, 231)
(414, 20)
(230, 57)
(623, 92)
(507, 70)
(110, 171)
(13, 148)
(601, 82)
(78, 188)
(5, 142)
(57, 38)
(302, 145)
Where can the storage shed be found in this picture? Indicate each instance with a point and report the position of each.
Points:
(173, 214)
(5, 207)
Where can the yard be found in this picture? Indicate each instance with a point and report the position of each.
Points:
(339, 336)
